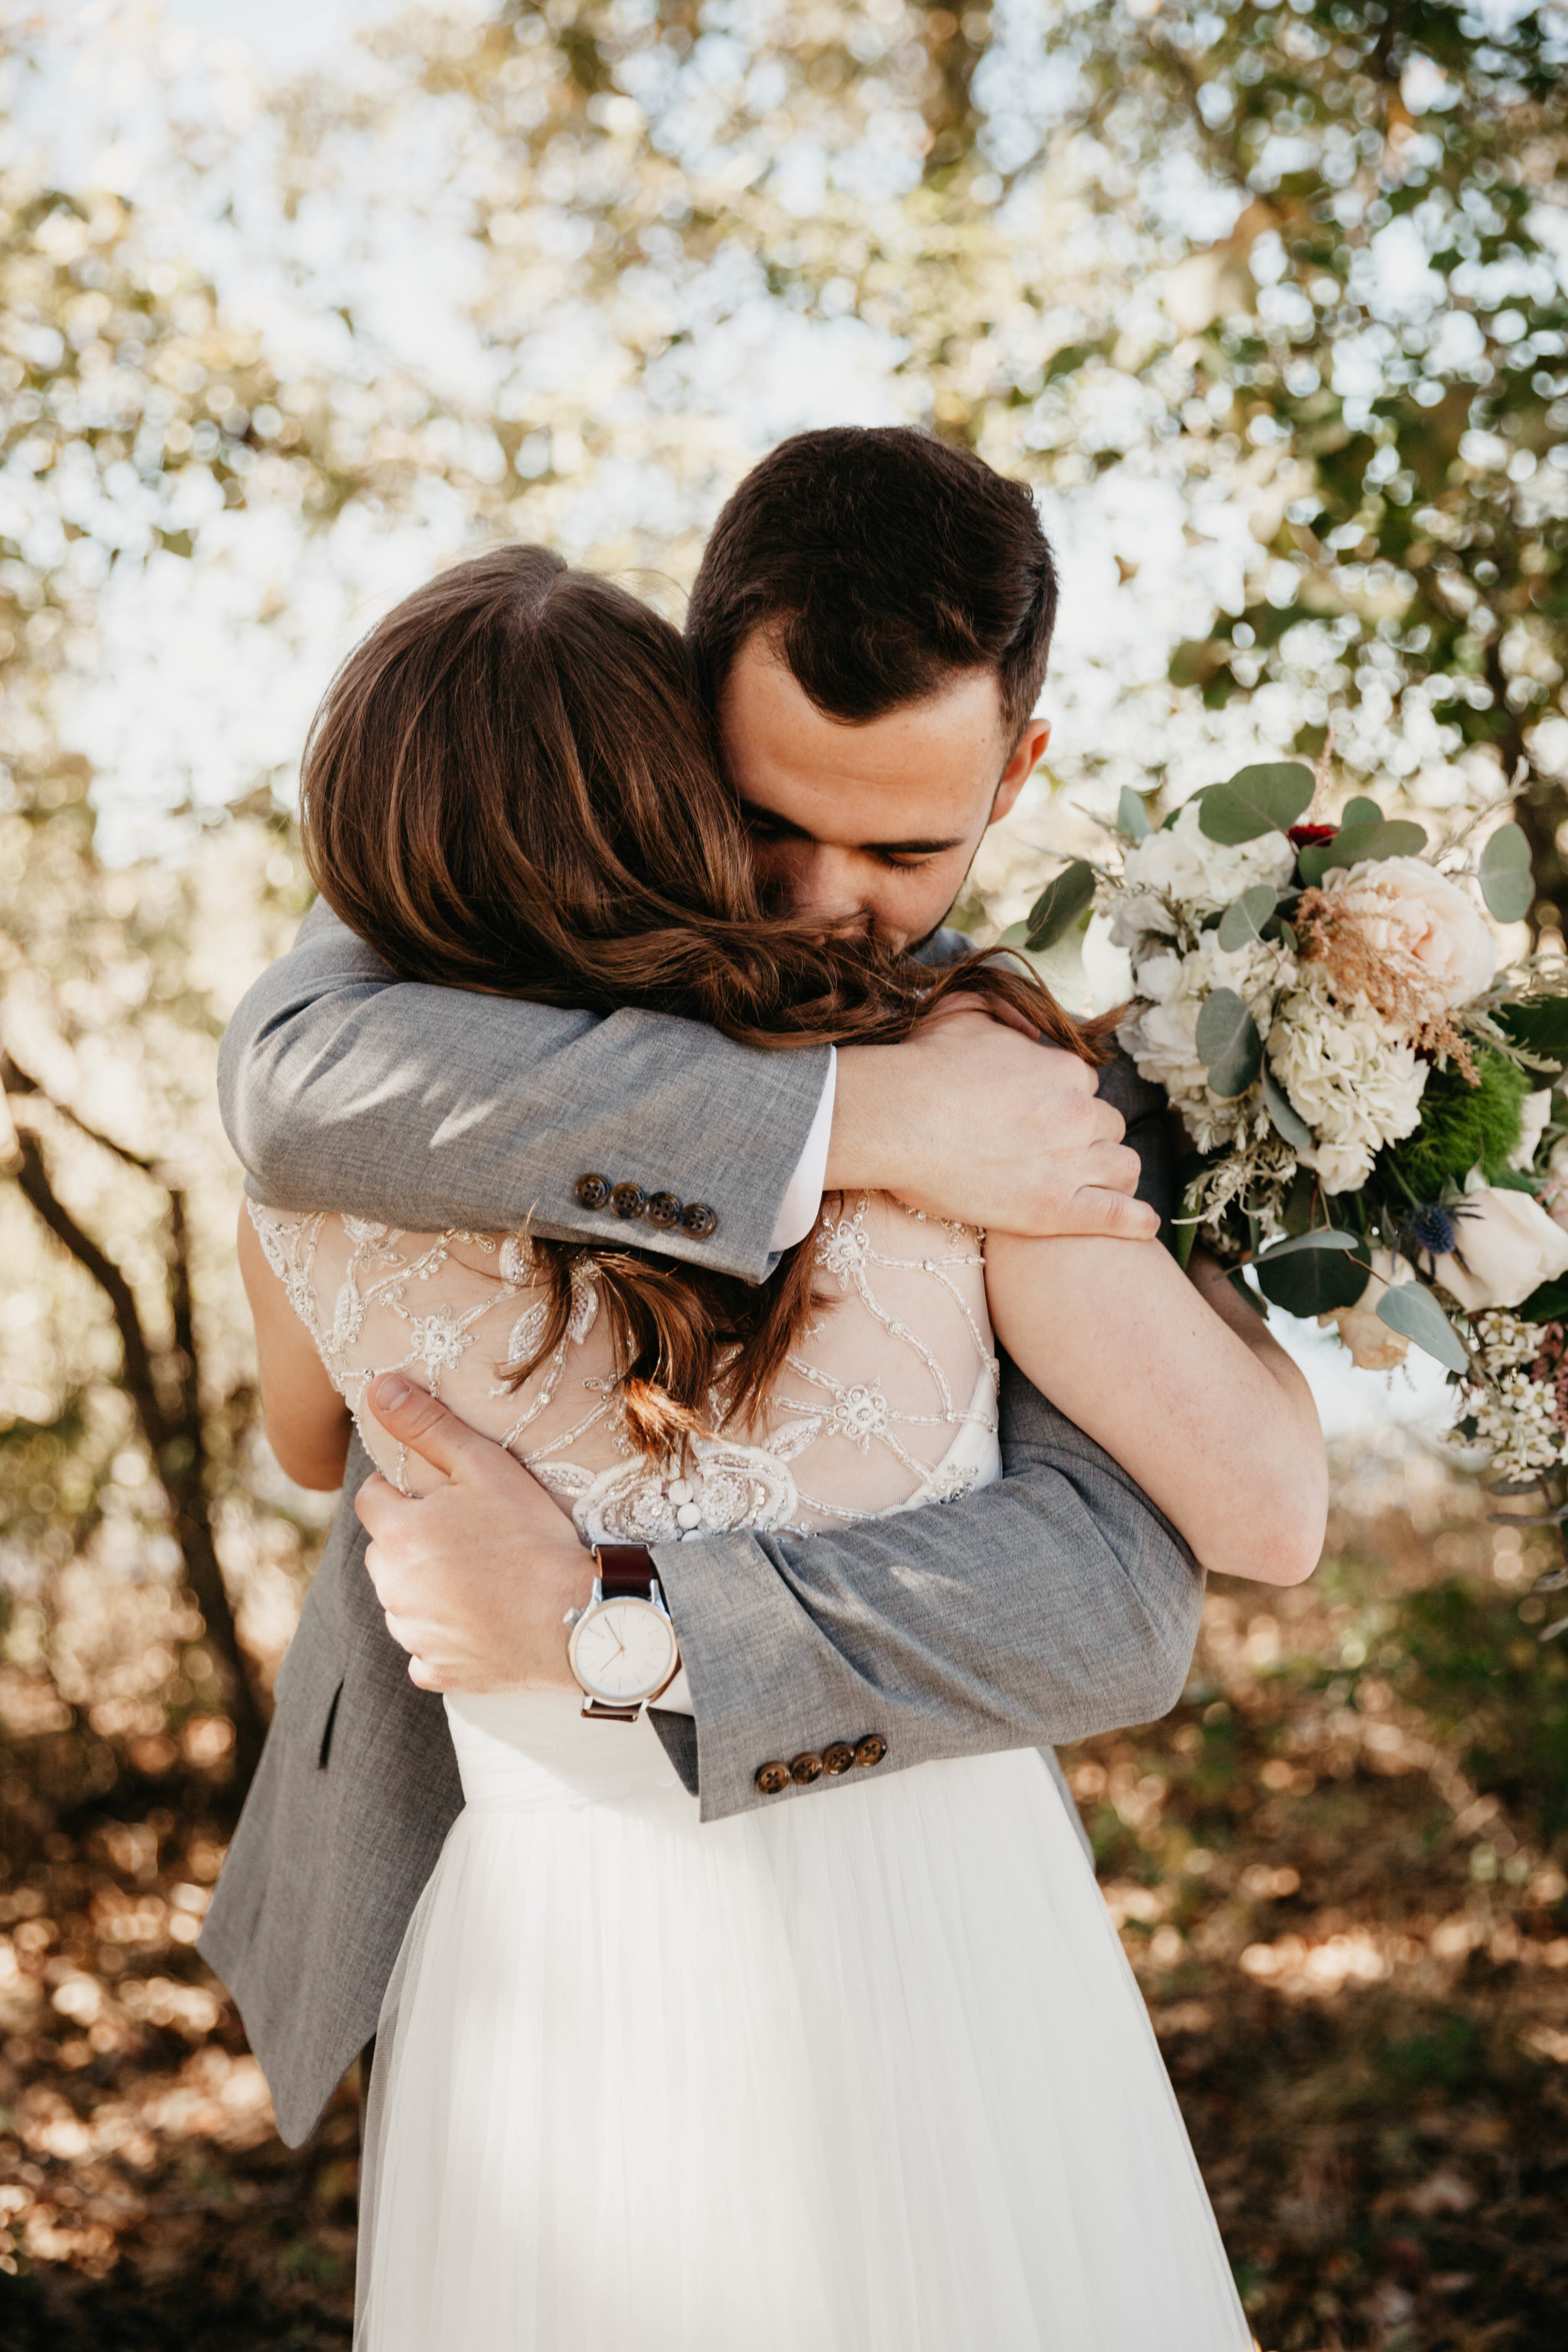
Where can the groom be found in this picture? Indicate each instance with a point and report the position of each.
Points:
(872, 622)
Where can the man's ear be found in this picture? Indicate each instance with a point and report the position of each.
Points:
(1028, 753)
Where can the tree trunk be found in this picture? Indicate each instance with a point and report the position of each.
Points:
(164, 1392)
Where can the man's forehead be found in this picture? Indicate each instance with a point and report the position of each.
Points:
(947, 741)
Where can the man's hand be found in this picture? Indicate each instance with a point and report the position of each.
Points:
(476, 1577)
(968, 1119)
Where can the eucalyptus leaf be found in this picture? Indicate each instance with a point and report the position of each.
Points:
(1311, 1274)
(1361, 811)
(1411, 1312)
(1059, 906)
(1243, 920)
(1321, 1237)
(1507, 884)
(1267, 799)
(1228, 1043)
(1395, 838)
(1132, 816)
(1288, 1119)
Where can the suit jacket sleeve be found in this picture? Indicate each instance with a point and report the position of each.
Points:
(1056, 1603)
(427, 1106)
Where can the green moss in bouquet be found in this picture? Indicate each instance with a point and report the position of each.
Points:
(1462, 1126)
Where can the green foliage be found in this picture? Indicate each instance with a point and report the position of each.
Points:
(1059, 906)
(1507, 884)
(1462, 1126)
(1313, 1273)
(1413, 1311)
(1504, 1692)
(1354, 843)
(1258, 800)
(1228, 1041)
(1541, 1027)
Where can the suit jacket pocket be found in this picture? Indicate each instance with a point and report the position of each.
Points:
(308, 1688)
(324, 1745)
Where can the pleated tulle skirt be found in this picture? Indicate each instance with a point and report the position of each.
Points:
(867, 2073)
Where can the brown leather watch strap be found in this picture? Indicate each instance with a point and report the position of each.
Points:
(625, 1570)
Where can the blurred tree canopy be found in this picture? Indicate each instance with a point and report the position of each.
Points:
(1289, 276)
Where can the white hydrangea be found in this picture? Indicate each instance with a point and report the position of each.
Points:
(1201, 875)
(1161, 1033)
(1356, 1087)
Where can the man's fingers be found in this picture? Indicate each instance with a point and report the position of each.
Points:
(428, 1427)
(379, 1508)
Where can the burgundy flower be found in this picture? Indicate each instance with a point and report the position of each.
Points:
(1311, 836)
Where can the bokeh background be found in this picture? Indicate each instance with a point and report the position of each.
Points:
(298, 301)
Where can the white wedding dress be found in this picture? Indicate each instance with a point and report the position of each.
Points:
(864, 2072)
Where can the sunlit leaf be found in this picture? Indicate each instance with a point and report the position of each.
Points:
(1255, 801)
(1354, 843)
(1132, 816)
(1411, 1309)
(1228, 1041)
(1243, 920)
(1507, 884)
(1059, 906)
(1288, 1119)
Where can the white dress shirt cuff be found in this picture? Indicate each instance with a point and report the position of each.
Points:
(676, 1698)
(803, 1194)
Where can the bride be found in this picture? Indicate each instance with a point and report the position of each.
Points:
(861, 2074)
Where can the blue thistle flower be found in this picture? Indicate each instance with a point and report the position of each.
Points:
(1432, 1230)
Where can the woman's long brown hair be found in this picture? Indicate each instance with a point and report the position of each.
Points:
(512, 786)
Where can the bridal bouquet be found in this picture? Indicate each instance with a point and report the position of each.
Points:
(1370, 1103)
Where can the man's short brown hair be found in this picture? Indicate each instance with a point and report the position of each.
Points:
(883, 563)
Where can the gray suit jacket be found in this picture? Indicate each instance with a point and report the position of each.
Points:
(1054, 1604)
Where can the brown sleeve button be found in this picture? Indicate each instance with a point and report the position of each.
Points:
(806, 1769)
(698, 1220)
(663, 1210)
(871, 1749)
(839, 1758)
(593, 1192)
(628, 1200)
(771, 1778)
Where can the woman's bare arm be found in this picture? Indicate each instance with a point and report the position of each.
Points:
(1179, 1381)
(307, 1422)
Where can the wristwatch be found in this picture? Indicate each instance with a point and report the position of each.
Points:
(621, 1647)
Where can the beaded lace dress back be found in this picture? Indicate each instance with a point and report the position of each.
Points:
(889, 1401)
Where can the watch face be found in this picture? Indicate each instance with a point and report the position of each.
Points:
(624, 1650)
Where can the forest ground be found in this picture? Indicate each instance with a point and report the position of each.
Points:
(1338, 1868)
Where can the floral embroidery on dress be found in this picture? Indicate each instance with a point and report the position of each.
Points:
(889, 1398)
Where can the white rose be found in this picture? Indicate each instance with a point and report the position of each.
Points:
(1374, 1347)
(1534, 1112)
(1425, 927)
(1182, 863)
(1356, 1088)
(1507, 1247)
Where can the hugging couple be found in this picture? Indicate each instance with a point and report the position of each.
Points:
(735, 1318)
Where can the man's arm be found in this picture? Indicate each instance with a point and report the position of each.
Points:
(1052, 1605)
(426, 1107)
(431, 1106)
